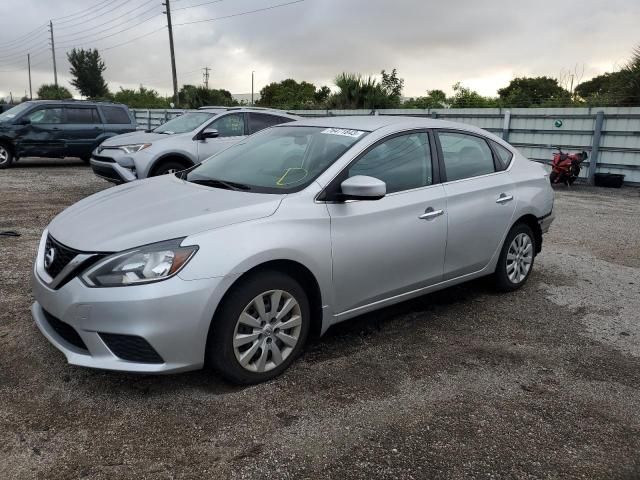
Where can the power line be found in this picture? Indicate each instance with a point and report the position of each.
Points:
(116, 18)
(198, 5)
(84, 18)
(22, 38)
(92, 7)
(72, 45)
(240, 14)
(134, 39)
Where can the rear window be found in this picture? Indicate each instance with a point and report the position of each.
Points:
(82, 115)
(260, 121)
(115, 115)
(505, 155)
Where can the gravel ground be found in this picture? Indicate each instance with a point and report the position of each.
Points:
(464, 383)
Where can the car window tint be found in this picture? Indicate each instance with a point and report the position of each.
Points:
(505, 155)
(465, 155)
(46, 115)
(402, 162)
(230, 125)
(115, 115)
(82, 115)
(260, 121)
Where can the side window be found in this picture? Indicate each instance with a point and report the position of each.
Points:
(115, 115)
(402, 162)
(82, 115)
(465, 155)
(505, 155)
(260, 121)
(230, 125)
(46, 116)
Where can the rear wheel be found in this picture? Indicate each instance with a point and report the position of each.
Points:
(6, 156)
(260, 328)
(516, 258)
(169, 166)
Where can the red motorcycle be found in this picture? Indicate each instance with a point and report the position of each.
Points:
(565, 167)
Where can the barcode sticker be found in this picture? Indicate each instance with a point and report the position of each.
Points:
(345, 132)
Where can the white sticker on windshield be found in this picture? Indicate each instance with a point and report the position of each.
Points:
(11, 115)
(345, 132)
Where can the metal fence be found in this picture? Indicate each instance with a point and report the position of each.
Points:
(611, 135)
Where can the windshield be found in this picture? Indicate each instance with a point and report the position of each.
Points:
(276, 160)
(185, 123)
(15, 111)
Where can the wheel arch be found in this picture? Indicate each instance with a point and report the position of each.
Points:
(171, 156)
(532, 222)
(298, 272)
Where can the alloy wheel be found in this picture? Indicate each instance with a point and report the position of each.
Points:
(4, 155)
(519, 258)
(267, 331)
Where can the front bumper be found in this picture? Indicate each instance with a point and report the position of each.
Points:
(172, 317)
(111, 171)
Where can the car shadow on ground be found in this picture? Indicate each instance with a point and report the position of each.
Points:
(33, 162)
(339, 340)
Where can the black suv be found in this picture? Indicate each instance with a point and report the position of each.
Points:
(60, 128)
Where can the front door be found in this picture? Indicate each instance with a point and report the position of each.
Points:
(42, 136)
(480, 202)
(231, 129)
(382, 248)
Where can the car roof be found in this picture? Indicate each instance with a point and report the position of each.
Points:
(370, 123)
(249, 109)
(71, 101)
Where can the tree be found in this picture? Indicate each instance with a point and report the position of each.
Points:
(87, 68)
(195, 97)
(321, 95)
(464, 97)
(141, 98)
(534, 92)
(53, 92)
(288, 94)
(434, 99)
(392, 86)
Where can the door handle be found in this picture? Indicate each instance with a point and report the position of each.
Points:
(504, 198)
(430, 213)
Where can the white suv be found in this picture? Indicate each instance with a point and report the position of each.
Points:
(180, 143)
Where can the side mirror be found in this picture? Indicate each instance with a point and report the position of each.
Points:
(24, 121)
(362, 187)
(209, 133)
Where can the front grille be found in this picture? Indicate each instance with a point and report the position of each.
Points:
(100, 158)
(57, 256)
(131, 348)
(106, 172)
(66, 331)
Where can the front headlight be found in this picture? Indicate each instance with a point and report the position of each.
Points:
(134, 148)
(150, 263)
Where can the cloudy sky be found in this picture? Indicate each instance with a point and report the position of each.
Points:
(432, 43)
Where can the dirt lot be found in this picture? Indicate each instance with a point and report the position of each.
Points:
(541, 383)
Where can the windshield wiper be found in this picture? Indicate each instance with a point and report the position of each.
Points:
(212, 182)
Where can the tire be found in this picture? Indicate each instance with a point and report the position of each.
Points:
(86, 160)
(6, 156)
(553, 177)
(166, 167)
(512, 273)
(259, 333)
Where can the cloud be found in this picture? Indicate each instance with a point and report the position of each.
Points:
(432, 43)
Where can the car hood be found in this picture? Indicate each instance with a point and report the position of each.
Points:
(153, 210)
(133, 138)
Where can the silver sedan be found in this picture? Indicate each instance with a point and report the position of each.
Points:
(235, 262)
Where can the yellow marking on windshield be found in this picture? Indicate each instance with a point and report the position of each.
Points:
(280, 182)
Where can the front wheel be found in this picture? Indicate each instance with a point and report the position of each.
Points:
(260, 328)
(168, 167)
(553, 177)
(516, 258)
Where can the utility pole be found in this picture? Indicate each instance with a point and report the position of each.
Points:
(173, 56)
(205, 77)
(252, 72)
(53, 53)
(29, 66)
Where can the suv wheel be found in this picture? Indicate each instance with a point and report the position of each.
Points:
(516, 258)
(260, 328)
(6, 157)
(170, 166)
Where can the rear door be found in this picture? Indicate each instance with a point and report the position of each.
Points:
(480, 201)
(82, 128)
(231, 129)
(42, 136)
